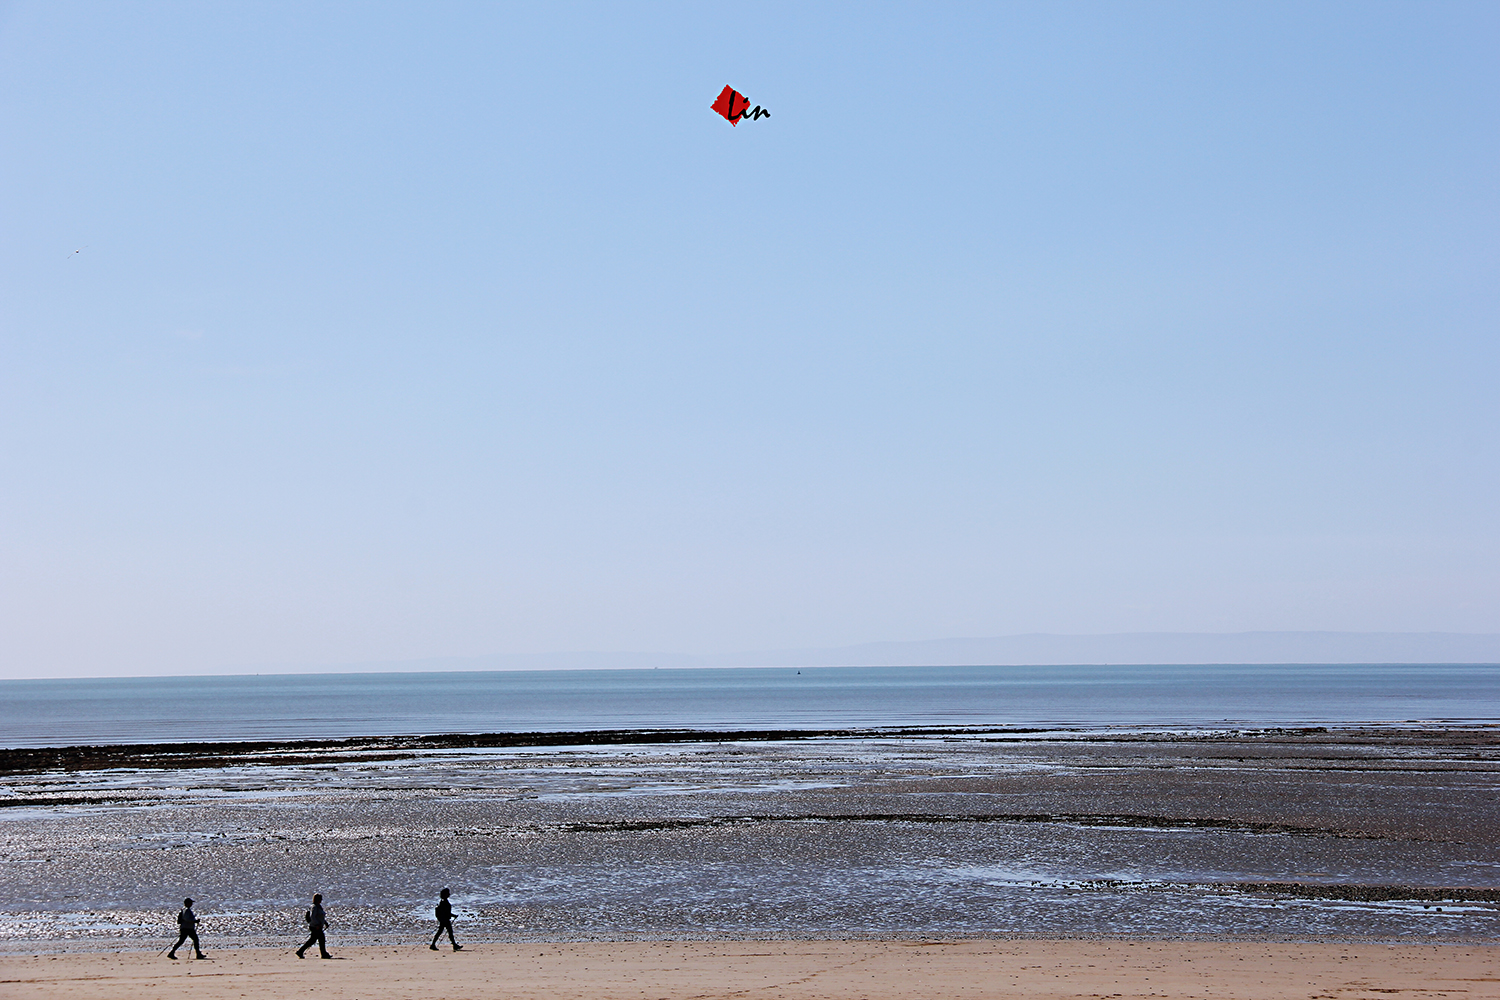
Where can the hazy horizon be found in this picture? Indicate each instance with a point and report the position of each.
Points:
(1027, 649)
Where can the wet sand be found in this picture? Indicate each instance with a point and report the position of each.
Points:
(1377, 832)
(840, 970)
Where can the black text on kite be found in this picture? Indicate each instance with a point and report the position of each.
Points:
(735, 106)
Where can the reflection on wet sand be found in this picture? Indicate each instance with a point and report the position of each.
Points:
(1374, 831)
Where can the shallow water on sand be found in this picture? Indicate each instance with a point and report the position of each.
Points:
(1343, 832)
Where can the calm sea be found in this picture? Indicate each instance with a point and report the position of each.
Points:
(270, 707)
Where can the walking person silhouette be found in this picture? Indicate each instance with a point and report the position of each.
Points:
(444, 913)
(187, 930)
(317, 920)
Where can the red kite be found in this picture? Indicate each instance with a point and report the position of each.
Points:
(730, 99)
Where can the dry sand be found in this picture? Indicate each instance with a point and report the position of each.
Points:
(744, 970)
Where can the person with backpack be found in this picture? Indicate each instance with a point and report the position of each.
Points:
(187, 930)
(317, 920)
(444, 913)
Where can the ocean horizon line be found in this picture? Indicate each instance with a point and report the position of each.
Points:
(1030, 649)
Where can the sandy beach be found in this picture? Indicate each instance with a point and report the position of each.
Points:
(782, 969)
(1070, 865)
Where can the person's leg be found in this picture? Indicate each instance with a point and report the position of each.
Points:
(197, 948)
(451, 939)
(322, 946)
(181, 937)
(312, 939)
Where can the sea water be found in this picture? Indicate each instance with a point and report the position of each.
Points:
(323, 706)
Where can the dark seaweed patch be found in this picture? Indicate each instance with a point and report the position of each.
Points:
(1074, 819)
(1369, 893)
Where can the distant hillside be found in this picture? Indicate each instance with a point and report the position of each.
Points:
(1032, 648)
(1152, 647)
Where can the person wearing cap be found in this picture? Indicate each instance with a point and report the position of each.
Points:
(317, 920)
(445, 922)
(187, 930)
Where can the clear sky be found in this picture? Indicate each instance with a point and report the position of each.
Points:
(420, 330)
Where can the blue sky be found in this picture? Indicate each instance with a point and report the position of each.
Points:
(407, 331)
